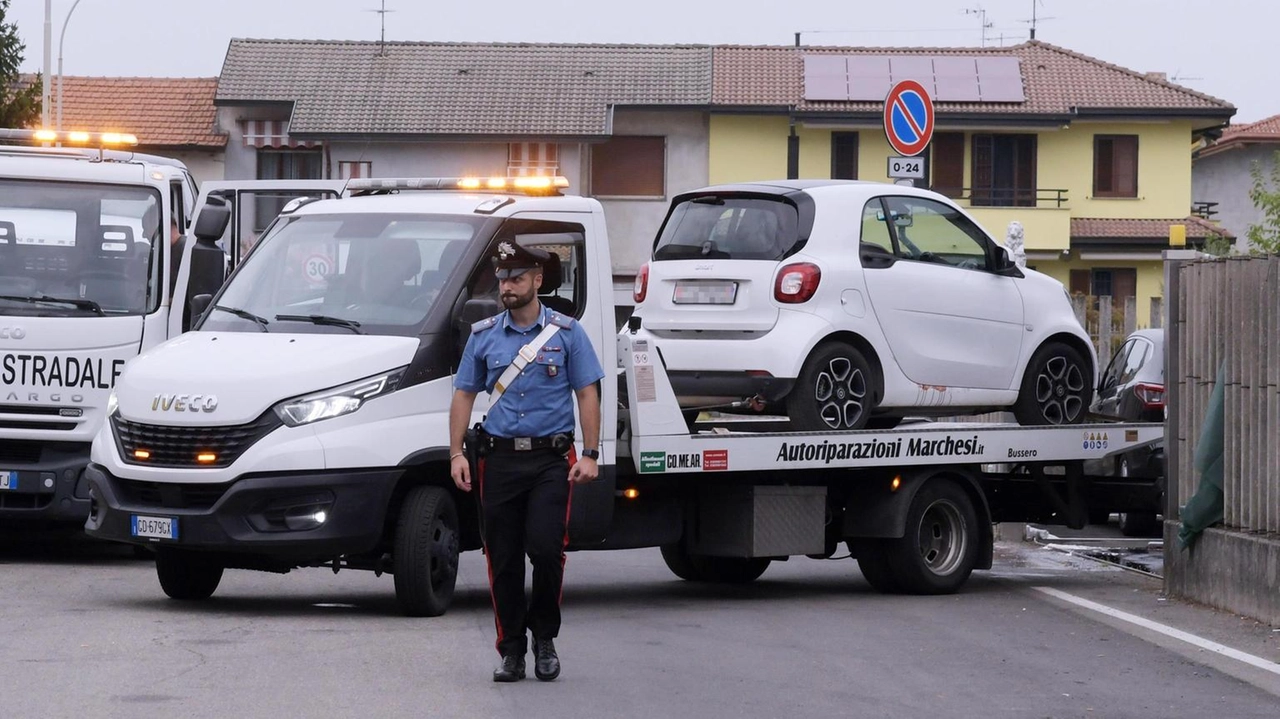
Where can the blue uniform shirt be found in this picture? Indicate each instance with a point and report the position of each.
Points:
(539, 403)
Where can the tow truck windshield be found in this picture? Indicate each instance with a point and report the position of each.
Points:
(366, 273)
(79, 249)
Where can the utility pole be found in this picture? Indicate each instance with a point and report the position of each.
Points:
(48, 60)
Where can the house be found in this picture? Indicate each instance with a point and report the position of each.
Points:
(1220, 172)
(172, 116)
(1089, 157)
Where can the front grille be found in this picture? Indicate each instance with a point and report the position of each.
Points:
(24, 424)
(24, 501)
(41, 410)
(179, 446)
(17, 450)
(167, 495)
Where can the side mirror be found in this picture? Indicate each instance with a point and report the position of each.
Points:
(213, 220)
(1004, 263)
(473, 311)
(199, 304)
(208, 271)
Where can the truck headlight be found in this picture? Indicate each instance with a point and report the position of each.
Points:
(337, 401)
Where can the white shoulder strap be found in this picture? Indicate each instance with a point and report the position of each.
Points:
(527, 354)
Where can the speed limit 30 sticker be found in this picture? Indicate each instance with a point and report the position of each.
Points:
(317, 268)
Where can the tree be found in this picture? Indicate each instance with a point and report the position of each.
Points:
(19, 106)
(1217, 245)
(1265, 195)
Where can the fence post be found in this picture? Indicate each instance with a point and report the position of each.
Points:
(1157, 312)
(1130, 315)
(1105, 323)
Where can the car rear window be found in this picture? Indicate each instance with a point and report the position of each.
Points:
(718, 227)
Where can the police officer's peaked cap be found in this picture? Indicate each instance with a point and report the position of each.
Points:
(511, 259)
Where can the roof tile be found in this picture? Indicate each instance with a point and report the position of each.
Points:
(164, 112)
(1198, 228)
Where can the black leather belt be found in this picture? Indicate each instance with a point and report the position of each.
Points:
(558, 442)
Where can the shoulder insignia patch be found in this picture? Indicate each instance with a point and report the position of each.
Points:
(560, 320)
(484, 324)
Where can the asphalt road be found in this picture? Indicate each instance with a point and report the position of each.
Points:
(87, 631)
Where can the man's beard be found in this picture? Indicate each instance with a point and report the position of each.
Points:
(513, 301)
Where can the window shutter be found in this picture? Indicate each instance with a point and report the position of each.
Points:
(983, 169)
(947, 149)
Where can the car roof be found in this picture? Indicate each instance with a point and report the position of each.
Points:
(447, 202)
(863, 188)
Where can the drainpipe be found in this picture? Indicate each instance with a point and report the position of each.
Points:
(793, 152)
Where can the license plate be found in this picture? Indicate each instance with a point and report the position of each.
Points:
(154, 527)
(8, 480)
(705, 293)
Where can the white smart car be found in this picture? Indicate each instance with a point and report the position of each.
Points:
(849, 304)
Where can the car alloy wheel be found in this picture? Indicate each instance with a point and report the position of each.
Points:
(840, 390)
(1055, 388)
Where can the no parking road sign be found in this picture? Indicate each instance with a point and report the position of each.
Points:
(908, 118)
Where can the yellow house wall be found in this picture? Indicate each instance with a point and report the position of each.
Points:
(744, 148)
(1150, 278)
(1065, 160)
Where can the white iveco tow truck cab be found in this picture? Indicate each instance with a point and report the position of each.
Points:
(304, 422)
(84, 287)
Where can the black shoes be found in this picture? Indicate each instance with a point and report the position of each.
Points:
(546, 665)
(512, 669)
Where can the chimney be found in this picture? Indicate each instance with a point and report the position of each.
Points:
(1158, 76)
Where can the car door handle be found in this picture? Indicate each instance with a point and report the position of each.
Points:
(876, 260)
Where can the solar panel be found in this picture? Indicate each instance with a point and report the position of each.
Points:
(869, 77)
(1000, 79)
(826, 78)
(955, 79)
(949, 78)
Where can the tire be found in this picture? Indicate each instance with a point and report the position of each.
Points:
(883, 422)
(939, 548)
(425, 556)
(1136, 524)
(187, 576)
(835, 390)
(716, 570)
(873, 562)
(1057, 387)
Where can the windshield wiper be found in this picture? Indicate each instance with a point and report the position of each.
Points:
(244, 315)
(73, 301)
(323, 320)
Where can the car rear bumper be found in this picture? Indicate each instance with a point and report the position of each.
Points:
(270, 515)
(707, 388)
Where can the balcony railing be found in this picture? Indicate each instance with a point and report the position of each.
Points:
(1005, 196)
(1204, 209)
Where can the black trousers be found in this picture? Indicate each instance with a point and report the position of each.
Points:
(525, 500)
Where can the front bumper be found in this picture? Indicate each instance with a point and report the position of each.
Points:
(270, 516)
(50, 481)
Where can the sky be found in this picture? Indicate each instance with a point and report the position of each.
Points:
(1219, 48)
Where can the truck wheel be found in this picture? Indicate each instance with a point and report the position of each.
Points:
(834, 390)
(1136, 524)
(940, 546)
(1056, 387)
(425, 557)
(187, 576)
(873, 561)
(717, 570)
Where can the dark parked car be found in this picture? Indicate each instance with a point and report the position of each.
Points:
(1132, 389)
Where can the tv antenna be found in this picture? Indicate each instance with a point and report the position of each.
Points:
(982, 17)
(1178, 77)
(382, 15)
(1035, 17)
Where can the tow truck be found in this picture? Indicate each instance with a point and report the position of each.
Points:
(304, 422)
(85, 258)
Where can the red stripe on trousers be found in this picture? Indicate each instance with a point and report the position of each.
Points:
(493, 599)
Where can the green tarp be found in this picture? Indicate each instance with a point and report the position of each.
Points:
(1205, 507)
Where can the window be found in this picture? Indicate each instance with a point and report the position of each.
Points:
(1004, 171)
(875, 230)
(1115, 282)
(629, 167)
(350, 169)
(739, 228)
(947, 151)
(844, 155)
(929, 231)
(283, 165)
(1115, 166)
(533, 158)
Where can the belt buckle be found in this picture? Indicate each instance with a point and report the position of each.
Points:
(528, 353)
(522, 444)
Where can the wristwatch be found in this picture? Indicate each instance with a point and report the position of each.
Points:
(592, 453)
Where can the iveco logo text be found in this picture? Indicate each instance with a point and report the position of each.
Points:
(12, 333)
(184, 403)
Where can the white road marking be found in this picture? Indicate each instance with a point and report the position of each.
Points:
(1221, 649)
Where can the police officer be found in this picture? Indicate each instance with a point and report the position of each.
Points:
(526, 475)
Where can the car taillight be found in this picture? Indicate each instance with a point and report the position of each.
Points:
(1150, 395)
(641, 287)
(796, 283)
